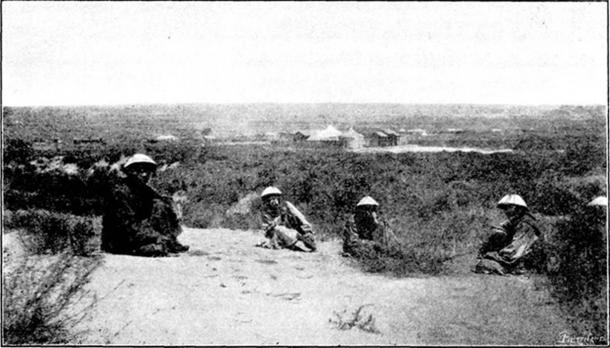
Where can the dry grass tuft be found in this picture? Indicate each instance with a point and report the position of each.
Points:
(360, 318)
(36, 293)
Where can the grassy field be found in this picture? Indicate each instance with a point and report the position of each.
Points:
(441, 205)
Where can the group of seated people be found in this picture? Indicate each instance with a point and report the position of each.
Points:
(140, 221)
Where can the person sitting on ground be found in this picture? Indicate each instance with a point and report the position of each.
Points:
(509, 244)
(366, 233)
(284, 225)
(137, 219)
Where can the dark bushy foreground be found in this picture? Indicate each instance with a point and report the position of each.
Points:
(579, 281)
(46, 232)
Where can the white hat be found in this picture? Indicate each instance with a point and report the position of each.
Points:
(367, 201)
(601, 201)
(140, 158)
(512, 200)
(271, 191)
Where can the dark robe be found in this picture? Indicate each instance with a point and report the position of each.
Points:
(508, 244)
(139, 221)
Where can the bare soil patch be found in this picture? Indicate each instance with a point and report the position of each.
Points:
(226, 291)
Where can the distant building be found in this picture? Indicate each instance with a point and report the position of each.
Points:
(393, 136)
(330, 136)
(410, 135)
(377, 138)
(353, 139)
(330, 133)
(381, 138)
(300, 136)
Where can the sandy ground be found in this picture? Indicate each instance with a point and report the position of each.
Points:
(226, 291)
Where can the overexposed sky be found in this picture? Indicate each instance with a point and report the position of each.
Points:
(74, 53)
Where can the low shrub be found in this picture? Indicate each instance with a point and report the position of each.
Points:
(585, 154)
(17, 150)
(579, 279)
(428, 246)
(36, 293)
(46, 232)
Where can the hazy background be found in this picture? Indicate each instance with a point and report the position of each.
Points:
(79, 53)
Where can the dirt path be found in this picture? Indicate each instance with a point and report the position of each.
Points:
(226, 291)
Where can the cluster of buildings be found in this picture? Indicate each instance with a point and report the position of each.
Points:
(332, 137)
(327, 137)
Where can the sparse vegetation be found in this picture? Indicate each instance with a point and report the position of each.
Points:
(360, 318)
(59, 253)
(440, 204)
(46, 232)
(36, 291)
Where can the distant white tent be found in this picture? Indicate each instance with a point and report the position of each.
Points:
(355, 140)
(329, 134)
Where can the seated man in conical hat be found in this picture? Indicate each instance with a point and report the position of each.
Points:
(137, 219)
(366, 233)
(284, 225)
(508, 245)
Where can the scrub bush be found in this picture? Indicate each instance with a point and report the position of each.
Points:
(579, 280)
(17, 150)
(46, 232)
(441, 205)
(36, 293)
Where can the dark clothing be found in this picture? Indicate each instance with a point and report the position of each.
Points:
(508, 245)
(137, 220)
(364, 235)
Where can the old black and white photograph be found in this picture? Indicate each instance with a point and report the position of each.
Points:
(304, 173)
